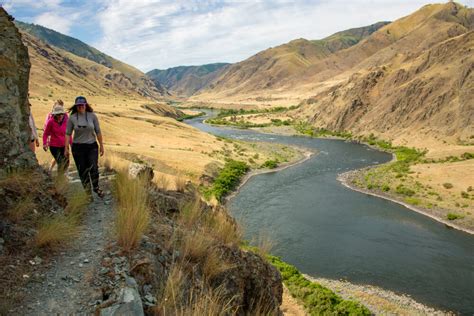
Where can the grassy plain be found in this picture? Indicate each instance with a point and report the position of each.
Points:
(176, 150)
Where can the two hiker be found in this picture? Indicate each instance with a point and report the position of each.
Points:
(82, 130)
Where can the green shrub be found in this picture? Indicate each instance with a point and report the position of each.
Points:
(465, 194)
(467, 156)
(452, 216)
(385, 188)
(370, 186)
(270, 164)
(413, 201)
(228, 178)
(447, 185)
(401, 189)
(317, 299)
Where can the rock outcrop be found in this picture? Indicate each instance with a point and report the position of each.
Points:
(14, 109)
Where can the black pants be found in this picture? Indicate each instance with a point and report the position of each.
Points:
(61, 160)
(86, 157)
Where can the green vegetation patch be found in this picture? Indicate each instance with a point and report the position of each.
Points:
(190, 116)
(270, 164)
(317, 299)
(227, 180)
(453, 216)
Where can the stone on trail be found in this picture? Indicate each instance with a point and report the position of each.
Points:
(130, 303)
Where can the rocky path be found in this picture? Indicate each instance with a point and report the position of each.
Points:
(64, 288)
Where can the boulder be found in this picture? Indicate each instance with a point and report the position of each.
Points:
(129, 302)
(144, 171)
(14, 110)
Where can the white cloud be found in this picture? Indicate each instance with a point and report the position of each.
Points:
(58, 22)
(161, 34)
(33, 4)
(164, 33)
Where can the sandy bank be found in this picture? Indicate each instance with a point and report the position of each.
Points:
(345, 177)
(378, 300)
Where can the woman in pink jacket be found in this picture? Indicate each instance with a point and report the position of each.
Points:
(54, 137)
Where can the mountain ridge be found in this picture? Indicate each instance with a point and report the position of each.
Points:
(144, 85)
(186, 80)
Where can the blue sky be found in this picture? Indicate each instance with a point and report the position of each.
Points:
(151, 34)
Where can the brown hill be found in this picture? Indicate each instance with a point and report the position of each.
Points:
(56, 73)
(271, 68)
(418, 83)
(187, 80)
(142, 84)
(410, 80)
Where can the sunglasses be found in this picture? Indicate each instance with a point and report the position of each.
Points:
(81, 126)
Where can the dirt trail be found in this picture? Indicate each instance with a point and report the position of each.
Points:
(64, 288)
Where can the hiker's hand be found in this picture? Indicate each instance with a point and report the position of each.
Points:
(45, 148)
(37, 142)
(101, 150)
(66, 151)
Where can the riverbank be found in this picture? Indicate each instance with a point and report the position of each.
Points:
(379, 301)
(434, 213)
(306, 154)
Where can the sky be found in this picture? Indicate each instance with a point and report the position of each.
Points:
(154, 34)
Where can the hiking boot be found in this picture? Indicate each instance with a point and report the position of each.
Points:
(99, 193)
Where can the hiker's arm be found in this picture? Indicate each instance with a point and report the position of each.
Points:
(101, 144)
(66, 145)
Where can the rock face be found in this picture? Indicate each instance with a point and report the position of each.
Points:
(14, 110)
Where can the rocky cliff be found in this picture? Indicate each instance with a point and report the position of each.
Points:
(420, 85)
(14, 109)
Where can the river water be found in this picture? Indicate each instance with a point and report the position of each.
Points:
(327, 230)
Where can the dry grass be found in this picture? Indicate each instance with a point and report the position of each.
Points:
(190, 214)
(61, 184)
(132, 212)
(180, 182)
(60, 229)
(162, 181)
(56, 231)
(19, 211)
(202, 300)
(222, 228)
(214, 265)
(112, 161)
(209, 302)
(264, 244)
(172, 292)
(195, 246)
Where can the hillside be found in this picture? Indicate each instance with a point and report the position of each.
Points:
(419, 83)
(409, 81)
(186, 80)
(142, 84)
(271, 68)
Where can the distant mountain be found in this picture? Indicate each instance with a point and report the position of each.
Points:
(186, 80)
(271, 68)
(410, 81)
(143, 85)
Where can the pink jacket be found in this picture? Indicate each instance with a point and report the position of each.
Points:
(54, 133)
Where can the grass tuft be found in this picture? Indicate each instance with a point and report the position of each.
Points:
(132, 210)
(60, 229)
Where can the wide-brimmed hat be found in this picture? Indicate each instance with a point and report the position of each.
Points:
(80, 100)
(58, 109)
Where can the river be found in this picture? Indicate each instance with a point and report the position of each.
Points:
(327, 230)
